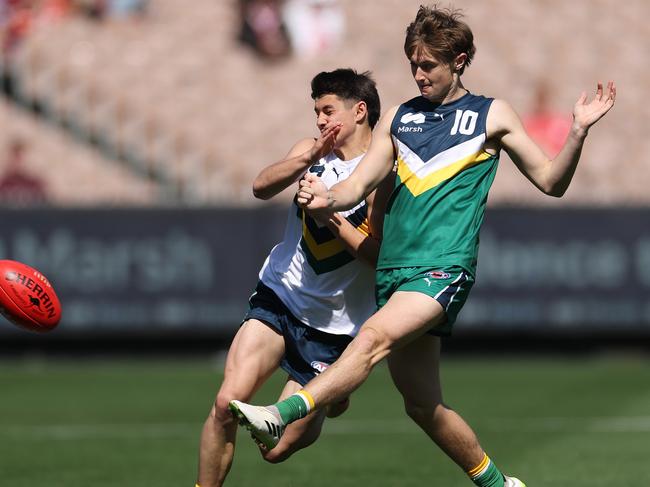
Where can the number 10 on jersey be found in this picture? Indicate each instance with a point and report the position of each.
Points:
(465, 122)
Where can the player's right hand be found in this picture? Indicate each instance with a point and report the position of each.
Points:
(312, 193)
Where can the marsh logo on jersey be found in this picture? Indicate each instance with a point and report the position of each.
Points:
(319, 366)
(439, 275)
(413, 117)
(410, 117)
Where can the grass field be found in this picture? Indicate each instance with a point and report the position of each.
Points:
(553, 422)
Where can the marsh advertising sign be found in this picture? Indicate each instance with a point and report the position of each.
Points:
(563, 270)
(192, 271)
(145, 271)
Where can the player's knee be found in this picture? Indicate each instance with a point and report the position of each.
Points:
(220, 412)
(370, 341)
(424, 413)
(416, 412)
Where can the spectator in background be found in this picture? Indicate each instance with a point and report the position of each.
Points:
(91, 9)
(18, 21)
(4, 14)
(18, 187)
(262, 28)
(100, 10)
(546, 126)
(123, 9)
(18, 18)
(314, 26)
(52, 10)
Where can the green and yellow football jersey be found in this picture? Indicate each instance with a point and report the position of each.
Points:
(444, 174)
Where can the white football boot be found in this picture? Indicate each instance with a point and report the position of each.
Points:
(513, 482)
(264, 426)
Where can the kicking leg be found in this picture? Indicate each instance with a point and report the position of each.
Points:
(406, 316)
(254, 355)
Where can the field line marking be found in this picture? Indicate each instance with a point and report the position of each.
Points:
(340, 426)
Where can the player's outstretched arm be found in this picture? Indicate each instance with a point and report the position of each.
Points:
(278, 176)
(365, 245)
(551, 176)
(373, 168)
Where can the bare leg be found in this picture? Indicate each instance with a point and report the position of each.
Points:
(254, 355)
(405, 317)
(415, 371)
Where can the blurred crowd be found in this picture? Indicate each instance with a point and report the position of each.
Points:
(160, 99)
(19, 18)
(279, 28)
(272, 28)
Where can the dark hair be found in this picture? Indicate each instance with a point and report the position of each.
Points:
(347, 84)
(441, 33)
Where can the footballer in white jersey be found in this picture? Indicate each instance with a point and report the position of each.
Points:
(316, 287)
(312, 272)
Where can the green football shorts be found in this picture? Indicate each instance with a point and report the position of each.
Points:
(449, 286)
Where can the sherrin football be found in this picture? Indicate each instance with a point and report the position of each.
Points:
(27, 298)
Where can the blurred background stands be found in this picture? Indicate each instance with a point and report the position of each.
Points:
(167, 91)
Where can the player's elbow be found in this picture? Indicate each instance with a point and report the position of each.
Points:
(557, 194)
(553, 187)
(557, 191)
(261, 191)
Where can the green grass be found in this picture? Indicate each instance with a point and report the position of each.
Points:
(553, 422)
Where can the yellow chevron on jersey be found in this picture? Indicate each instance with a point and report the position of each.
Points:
(444, 172)
(332, 294)
(322, 250)
(330, 245)
(364, 227)
(420, 176)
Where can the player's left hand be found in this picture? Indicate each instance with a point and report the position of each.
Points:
(586, 114)
(325, 143)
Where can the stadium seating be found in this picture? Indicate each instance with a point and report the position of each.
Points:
(74, 174)
(175, 94)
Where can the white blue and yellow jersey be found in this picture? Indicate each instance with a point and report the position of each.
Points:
(444, 174)
(313, 274)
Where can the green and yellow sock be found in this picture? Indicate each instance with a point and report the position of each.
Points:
(295, 407)
(486, 474)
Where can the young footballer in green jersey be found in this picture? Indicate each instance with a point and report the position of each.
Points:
(446, 145)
